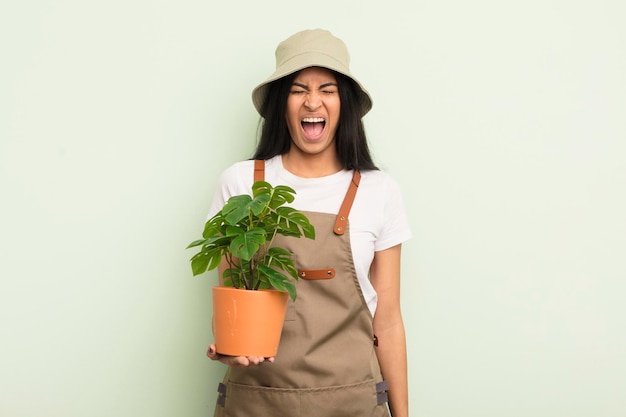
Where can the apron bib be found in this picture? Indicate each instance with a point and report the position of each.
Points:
(326, 365)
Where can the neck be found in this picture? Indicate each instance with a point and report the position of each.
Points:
(310, 166)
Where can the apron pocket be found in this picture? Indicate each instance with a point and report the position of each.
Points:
(246, 401)
(353, 400)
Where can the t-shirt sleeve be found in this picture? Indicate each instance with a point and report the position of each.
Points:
(395, 226)
(234, 180)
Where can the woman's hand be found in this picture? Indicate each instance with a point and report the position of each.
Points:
(236, 361)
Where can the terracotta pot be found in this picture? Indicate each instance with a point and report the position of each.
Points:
(248, 323)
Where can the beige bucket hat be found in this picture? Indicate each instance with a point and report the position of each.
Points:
(311, 48)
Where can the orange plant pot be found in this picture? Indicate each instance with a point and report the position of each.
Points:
(248, 323)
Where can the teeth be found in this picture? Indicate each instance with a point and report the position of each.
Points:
(313, 120)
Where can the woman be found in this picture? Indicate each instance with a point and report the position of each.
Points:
(342, 334)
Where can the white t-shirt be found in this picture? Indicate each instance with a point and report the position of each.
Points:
(377, 219)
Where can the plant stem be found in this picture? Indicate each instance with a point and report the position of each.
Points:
(274, 233)
(231, 265)
(249, 281)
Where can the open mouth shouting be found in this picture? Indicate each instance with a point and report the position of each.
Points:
(313, 109)
(313, 127)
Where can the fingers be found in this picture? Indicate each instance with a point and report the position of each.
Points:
(236, 361)
(212, 353)
(244, 361)
(241, 361)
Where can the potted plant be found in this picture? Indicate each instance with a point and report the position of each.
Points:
(242, 234)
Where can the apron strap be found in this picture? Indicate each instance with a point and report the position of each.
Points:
(344, 211)
(259, 170)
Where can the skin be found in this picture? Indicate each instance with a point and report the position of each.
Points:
(389, 328)
(314, 94)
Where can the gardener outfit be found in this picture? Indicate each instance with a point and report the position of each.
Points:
(326, 364)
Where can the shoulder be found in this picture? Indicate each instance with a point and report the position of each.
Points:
(379, 184)
(377, 175)
(380, 203)
(237, 171)
(244, 170)
(234, 180)
(238, 178)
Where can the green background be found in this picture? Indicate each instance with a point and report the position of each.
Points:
(503, 122)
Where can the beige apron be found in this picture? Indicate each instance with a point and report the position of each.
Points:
(326, 365)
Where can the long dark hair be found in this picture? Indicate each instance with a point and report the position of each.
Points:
(350, 140)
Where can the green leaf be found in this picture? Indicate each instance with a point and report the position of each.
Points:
(246, 244)
(232, 278)
(236, 209)
(242, 230)
(281, 196)
(292, 220)
(278, 280)
(291, 289)
(199, 263)
(261, 187)
(285, 192)
(309, 230)
(259, 204)
(213, 226)
(281, 259)
(206, 261)
(195, 243)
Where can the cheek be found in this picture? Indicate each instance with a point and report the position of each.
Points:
(293, 123)
(337, 109)
(290, 114)
(337, 113)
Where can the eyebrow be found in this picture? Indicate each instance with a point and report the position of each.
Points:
(331, 84)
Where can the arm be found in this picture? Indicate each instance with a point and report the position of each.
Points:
(389, 328)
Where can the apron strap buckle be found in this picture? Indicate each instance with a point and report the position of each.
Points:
(381, 392)
(221, 395)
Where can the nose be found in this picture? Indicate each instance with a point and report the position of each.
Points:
(313, 101)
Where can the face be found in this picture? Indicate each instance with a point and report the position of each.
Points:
(313, 112)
